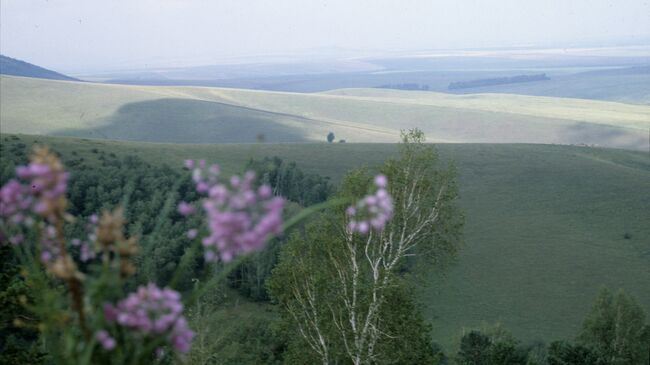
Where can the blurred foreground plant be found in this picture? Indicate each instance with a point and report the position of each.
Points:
(83, 311)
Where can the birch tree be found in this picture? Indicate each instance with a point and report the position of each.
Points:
(333, 284)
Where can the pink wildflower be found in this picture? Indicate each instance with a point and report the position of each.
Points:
(86, 250)
(373, 211)
(105, 339)
(185, 209)
(240, 218)
(381, 181)
(49, 183)
(42, 192)
(153, 311)
(17, 239)
(49, 248)
(15, 201)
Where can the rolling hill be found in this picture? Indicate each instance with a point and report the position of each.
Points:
(620, 84)
(210, 115)
(14, 67)
(545, 225)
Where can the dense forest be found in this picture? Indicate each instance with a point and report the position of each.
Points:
(263, 310)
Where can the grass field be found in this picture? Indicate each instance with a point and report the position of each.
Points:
(544, 231)
(213, 115)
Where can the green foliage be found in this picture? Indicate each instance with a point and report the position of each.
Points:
(474, 349)
(232, 331)
(17, 325)
(289, 181)
(302, 256)
(409, 341)
(537, 354)
(323, 278)
(565, 353)
(477, 348)
(250, 276)
(330, 137)
(407, 336)
(616, 329)
(507, 353)
(439, 242)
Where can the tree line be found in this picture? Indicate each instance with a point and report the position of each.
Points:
(405, 86)
(496, 81)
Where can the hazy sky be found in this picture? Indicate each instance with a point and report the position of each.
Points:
(76, 35)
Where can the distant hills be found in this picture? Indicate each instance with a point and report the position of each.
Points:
(214, 115)
(14, 67)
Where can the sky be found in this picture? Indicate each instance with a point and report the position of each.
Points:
(84, 35)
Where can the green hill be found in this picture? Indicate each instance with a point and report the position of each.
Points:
(545, 225)
(205, 115)
(14, 67)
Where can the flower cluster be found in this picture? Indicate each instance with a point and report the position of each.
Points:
(42, 192)
(373, 211)
(240, 218)
(48, 181)
(15, 203)
(50, 250)
(105, 339)
(152, 311)
(86, 251)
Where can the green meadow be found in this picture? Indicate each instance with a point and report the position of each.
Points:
(218, 115)
(546, 226)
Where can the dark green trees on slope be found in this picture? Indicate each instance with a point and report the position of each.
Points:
(616, 330)
(289, 181)
(613, 333)
(477, 348)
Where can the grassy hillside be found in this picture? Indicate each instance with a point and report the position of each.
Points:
(12, 66)
(204, 115)
(545, 224)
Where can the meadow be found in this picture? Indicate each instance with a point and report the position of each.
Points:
(546, 226)
(217, 115)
